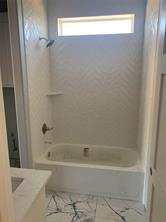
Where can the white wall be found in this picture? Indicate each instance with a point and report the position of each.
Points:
(100, 76)
(37, 58)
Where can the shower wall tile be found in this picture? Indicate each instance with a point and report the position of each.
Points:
(100, 76)
(37, 55)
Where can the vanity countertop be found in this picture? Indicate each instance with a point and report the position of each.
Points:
(25, 194)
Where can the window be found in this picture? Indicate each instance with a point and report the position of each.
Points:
(96, 25)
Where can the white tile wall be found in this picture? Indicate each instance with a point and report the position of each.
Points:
(35, 25)
(99, 76)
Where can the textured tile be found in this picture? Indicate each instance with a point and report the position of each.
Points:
(100, 80)
(38, 71)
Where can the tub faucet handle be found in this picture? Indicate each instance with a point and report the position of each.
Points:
(45, 128)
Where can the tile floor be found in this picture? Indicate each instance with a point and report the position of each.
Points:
(69, 207)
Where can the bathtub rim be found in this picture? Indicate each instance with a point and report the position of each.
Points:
(43, 160)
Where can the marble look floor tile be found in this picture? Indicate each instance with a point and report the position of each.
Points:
(120, 210)
(68, 218)
(105, 220)
(104, 211)
(48, 196)
(71, 207)
(68, 207)
(126, 204)
(134, 204)
(59, 218)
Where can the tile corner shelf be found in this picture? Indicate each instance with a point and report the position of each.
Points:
(54, 94)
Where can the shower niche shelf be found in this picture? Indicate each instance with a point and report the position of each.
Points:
(57, 93)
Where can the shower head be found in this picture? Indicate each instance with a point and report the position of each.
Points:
(49, 42)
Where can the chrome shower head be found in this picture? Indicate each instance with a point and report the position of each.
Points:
(49, 42)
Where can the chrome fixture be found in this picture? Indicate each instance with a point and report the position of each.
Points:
(49, 41)
(49, 154)
(86, 152)
(45, 128)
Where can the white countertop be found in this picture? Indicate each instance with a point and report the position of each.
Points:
(26, 192)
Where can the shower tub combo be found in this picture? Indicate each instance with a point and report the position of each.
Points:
(98, 170)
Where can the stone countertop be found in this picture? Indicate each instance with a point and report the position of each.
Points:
(27, 191)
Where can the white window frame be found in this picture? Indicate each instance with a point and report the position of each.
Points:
(62, 21)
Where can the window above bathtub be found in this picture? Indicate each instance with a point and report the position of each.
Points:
(96, 25)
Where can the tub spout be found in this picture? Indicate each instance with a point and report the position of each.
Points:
(49, 154)
(86, 152)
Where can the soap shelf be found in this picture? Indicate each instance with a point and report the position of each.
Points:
(54, 94)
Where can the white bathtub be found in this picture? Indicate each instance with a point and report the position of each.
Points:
(98, 170)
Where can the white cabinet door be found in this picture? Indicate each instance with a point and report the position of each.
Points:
(5, 53)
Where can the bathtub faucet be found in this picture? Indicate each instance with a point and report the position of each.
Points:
(45, 128)
(86, 152)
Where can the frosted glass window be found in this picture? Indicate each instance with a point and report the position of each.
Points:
(96, 25)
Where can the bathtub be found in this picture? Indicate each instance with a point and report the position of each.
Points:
(97, 170)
